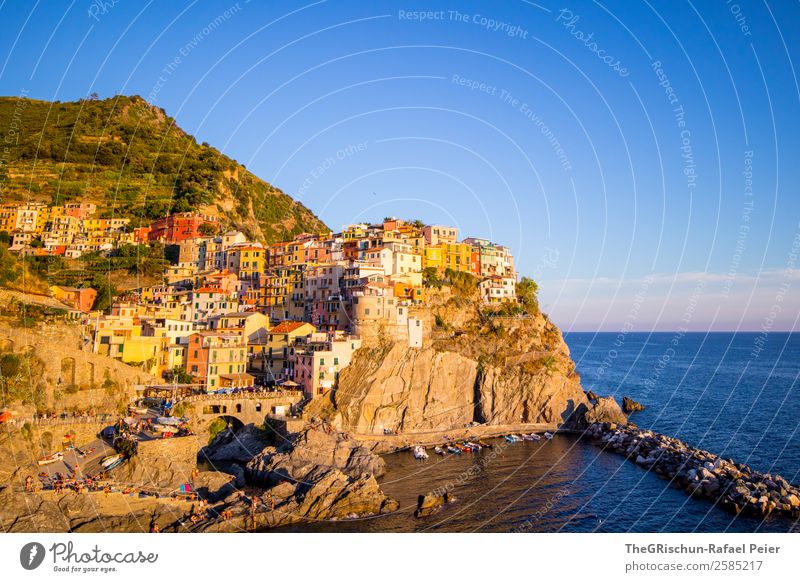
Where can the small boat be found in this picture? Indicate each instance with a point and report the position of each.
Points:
(110, 461)
(164, 428)
(114, 463)
(169, 420)
(473, 446)
(512, 438)
(531, 437)
(485, 445)
(51, 458)
(548, 435)
(420, 454)
(454, 450)
(438, 450)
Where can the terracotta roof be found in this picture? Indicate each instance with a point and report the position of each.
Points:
(287, 326)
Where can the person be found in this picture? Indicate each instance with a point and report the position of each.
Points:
(154, 528)
(28, 483)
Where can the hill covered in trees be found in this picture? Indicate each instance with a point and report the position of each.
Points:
(133, 161)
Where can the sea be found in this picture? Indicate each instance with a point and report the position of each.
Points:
(734, 394)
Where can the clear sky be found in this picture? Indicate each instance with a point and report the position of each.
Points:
(640, 159)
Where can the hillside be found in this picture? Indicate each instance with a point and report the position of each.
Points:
(133, 161)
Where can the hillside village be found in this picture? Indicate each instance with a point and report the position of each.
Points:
(231, 313)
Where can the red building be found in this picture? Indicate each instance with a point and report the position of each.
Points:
(177, 227)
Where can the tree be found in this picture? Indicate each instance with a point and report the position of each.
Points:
(105, 293)
(8, 266)
(208, 229)
(179, 376)
(527, 293)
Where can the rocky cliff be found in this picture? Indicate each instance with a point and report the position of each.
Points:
(472, 368)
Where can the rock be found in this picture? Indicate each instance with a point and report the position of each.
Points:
(629, 405)
(431, 503)
(591, 395)
(791, 500)
(522, 374)
(606, 409)
(235, 446)
(214, 485)
(314, 448)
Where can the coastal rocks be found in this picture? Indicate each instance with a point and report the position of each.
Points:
(325, 495)
(215, 486)
(337, 496)
(629, 405)
(605, 409)
(432, 503)
(311, 449)
(591, 396)
(733, 486)
(160, 465)
(235, 446)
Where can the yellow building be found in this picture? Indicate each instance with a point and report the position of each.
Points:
(457, 256)
(149, 352)
(247, 262)
(111, 333)
(8, 217)
(47, 216)
(105, 224)
(433, 257)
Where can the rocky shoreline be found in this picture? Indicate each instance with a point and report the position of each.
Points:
(731, 485)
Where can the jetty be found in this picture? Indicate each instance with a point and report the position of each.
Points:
(731, 485)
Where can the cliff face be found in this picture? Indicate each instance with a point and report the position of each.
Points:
(406, 390)
(472, 369)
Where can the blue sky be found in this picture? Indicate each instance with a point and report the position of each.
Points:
(639, 158)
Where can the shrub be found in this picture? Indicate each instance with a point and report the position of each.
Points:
(216, 427)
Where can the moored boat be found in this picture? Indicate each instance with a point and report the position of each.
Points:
(438, 450)
(51, 458)
(419, 453)
(111, 461)
(548, 435)
(531, 437)
(453, 450)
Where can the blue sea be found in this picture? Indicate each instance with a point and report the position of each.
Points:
(732, 394)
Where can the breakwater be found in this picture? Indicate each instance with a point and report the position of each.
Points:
(733, 486)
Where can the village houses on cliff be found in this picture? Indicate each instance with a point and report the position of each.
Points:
(232, 313)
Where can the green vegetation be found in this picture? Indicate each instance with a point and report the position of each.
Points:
(178, 375)
(21, 380)
(133, 161)
(127, 447)
(528, 294)
(217, 426)
(462, 283)
(9, 271)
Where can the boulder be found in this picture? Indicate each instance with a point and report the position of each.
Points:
(313, 448)
(606, 409)
(235, 446)
(431, 503)
(629, 405)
